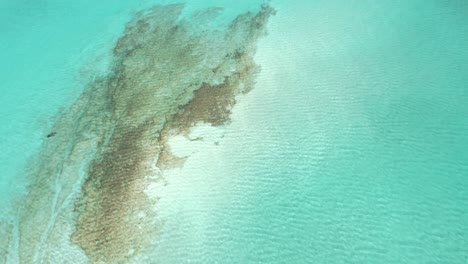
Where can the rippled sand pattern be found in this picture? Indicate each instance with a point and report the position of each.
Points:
(105, 151)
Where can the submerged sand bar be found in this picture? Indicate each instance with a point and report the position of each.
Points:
(168, 75)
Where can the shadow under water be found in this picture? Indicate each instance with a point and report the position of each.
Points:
(167, 76)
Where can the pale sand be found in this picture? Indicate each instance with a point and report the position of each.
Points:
(191, 195)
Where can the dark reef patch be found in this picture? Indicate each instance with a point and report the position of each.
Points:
(166, 78)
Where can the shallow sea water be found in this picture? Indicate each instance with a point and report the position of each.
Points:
(351, 148)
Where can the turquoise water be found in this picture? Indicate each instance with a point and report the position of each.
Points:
(352, 147)
(47, 57)
(366, 155)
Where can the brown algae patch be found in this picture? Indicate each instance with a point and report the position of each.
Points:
(168, 75)
(211, 104)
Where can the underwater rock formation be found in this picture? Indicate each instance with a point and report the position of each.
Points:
(167, 76)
